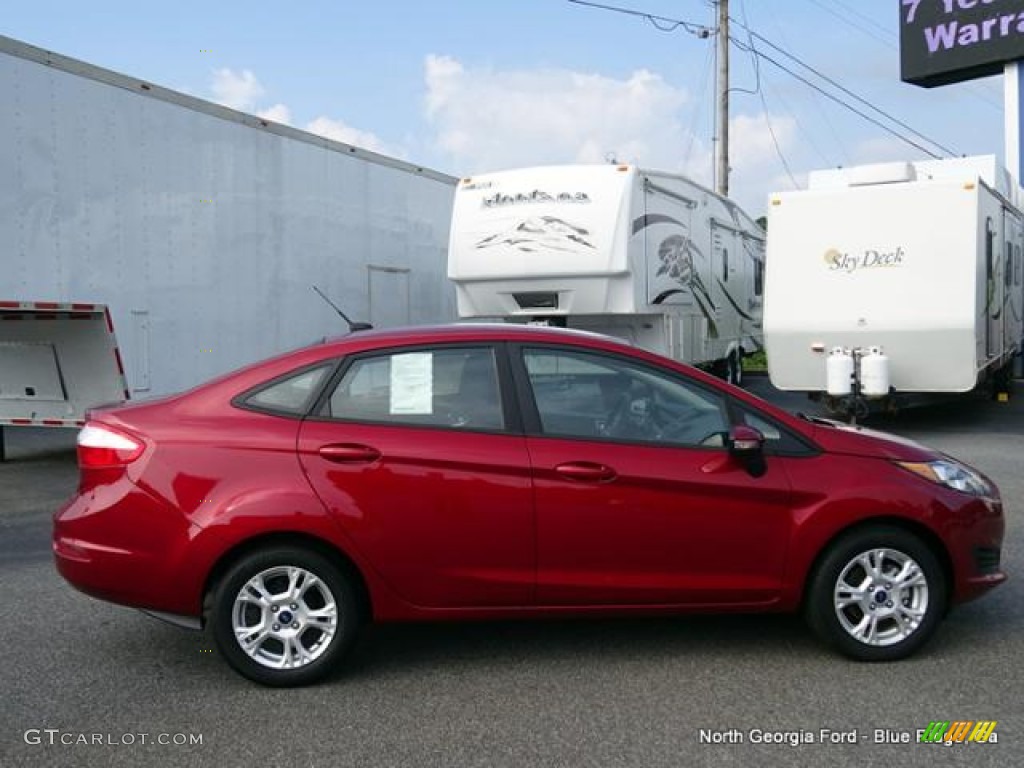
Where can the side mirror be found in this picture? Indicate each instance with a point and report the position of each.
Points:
(746, 445)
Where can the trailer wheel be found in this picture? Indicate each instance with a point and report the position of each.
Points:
(284, 616)
(877, 595)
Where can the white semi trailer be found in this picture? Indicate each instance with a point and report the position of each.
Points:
(646, 256)
(191, 231)
(891, 281)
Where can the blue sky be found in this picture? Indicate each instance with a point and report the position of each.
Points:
(466, 86)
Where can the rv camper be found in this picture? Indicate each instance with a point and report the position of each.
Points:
(649, 257)
(886, 282)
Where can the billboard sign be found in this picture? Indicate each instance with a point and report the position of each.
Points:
(948, 41)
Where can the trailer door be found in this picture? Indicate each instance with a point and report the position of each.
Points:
(993, 290)
(1011, 304)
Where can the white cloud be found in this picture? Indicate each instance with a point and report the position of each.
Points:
(341, 131)
(756, 169)
(238, 90)
(243, 91)
(279, 113)
(485, 120)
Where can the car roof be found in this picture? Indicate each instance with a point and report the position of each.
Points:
(361, 341)
(463, 331)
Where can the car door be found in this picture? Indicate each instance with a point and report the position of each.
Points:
(638, 500)
(420, 460)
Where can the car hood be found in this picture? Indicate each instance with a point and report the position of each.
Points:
(836, 437)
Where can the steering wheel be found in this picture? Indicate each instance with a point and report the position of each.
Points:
(453, 418)
(668, 424)
(611, 426)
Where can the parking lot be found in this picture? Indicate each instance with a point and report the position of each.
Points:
(555, 693)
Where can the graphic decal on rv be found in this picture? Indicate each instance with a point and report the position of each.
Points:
(676, 253)
(648, 219)
(541, 233)
(732, 301)
(870, 258)
(535, 196)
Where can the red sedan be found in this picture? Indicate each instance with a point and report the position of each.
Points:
(480, 471)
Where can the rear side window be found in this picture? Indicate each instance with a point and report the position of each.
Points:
(453, 387)
(291, 395)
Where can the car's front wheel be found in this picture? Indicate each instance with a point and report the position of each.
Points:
(284, 616)
(877, 595)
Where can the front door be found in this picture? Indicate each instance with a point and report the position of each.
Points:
(638, 501)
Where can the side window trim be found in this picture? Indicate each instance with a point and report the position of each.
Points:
(509, 407)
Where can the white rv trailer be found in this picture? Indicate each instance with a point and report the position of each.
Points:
(200, 228)
(912, 268)
(649, 257)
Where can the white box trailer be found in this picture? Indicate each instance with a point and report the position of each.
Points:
(201, 228)
(650, 257)
(56, 360)
(913, 268)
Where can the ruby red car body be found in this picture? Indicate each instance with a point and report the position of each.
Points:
(448, 522)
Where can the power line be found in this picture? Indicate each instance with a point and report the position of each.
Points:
(764, 102)
(698, 108)
(837, 100)
(661, 23)
(866, 19)
(703, 31)
(854, 23)
(819, 108)
(845, 90)
(888, 39)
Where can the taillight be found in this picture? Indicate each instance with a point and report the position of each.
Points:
(102, 447)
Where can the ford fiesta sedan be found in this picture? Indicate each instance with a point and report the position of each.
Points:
(490, 471)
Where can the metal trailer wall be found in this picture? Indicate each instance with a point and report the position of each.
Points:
(201, 227)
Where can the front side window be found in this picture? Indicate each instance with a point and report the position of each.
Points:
(455, 387)
(593, 396)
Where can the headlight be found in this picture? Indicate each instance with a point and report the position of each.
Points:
(951, 474)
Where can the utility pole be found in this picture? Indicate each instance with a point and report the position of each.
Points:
(722, 111)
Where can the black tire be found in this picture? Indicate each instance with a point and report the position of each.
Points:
(900, 631)
(309, 629)
(734, 367)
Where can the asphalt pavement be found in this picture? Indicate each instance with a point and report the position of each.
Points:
(91, 684)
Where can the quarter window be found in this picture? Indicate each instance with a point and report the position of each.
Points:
(776, 439)
(290, 395)
(585, 395)
(456, 387)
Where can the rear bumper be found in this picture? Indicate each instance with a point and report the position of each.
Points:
(120, 544)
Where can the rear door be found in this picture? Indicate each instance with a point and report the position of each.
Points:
(638, 501)
(416, 455)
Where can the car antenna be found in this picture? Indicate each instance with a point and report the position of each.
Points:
(352, 326)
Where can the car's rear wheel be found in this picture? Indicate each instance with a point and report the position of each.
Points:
(877, 595)
(284, 616)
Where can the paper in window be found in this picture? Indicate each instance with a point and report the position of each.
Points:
(412, 382)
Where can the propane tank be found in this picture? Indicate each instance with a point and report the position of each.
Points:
(839, 372)
(874, 373)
